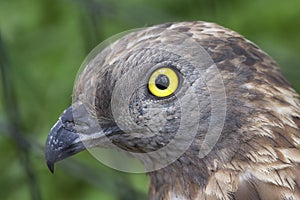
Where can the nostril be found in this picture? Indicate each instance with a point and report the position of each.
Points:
(67, 115)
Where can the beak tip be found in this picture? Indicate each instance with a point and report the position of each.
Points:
(50, 166)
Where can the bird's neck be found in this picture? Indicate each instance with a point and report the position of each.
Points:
(178, 181)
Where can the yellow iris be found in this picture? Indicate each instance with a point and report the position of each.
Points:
(163, 82)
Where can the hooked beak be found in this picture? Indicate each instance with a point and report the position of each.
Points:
(68, 136)
(61, 143)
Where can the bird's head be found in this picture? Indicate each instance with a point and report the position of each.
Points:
(186, 94)
(156, 93)
(149, 92)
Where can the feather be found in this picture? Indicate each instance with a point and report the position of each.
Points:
(255, 156)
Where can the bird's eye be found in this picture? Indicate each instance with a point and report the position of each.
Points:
(163, 82)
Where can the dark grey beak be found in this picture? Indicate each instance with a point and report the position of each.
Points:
(63, 140)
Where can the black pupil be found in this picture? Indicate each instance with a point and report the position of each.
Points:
(162, 82)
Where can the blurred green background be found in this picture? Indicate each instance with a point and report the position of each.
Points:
(42, 45)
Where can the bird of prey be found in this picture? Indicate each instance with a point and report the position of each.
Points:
(206, 111)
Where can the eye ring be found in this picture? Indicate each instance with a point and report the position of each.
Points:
(163, 82)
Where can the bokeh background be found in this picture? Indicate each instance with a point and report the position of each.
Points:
(42, 45)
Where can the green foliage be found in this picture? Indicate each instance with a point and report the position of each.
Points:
(45, 42)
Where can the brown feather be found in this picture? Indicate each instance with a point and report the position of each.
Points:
(257, 156)
(266, 165)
